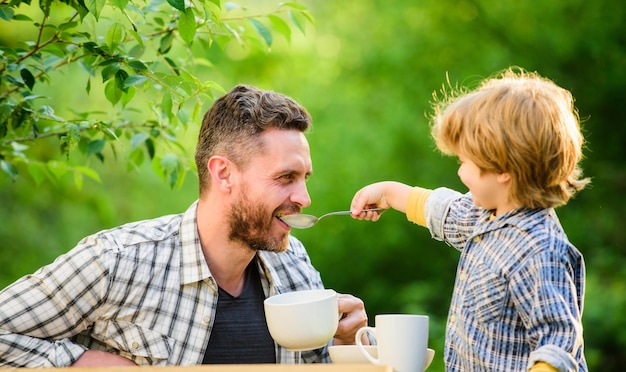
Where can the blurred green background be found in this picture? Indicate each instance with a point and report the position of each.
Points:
(367, 72)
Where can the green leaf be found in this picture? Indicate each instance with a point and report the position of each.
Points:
(6, 12)
(95, 7)
(136, 158)
(120, 78)
(109, 71)
(112, 92)
(70, 140)
(309, 17)
(231, 6)
(150, 148)
(166, 104)
(28, 78)
(22, 17)
(294, 5)
(5, 113)
(280, 26)
(115, 34)
(137, 65)
(165, 43)
(38, 172)
(178, 4)
(134, 80)
(138, 139)
(67, 25)
(87, 172)
(120, 4)
(9, 169)
(136, 51)
(262, 31)
(78, 181)
(297, 19)
(187, 25)
(172, 65)
(95, 146)
(169, 167)
(128, 96)
(183, 116)
(137, 38)
(57, 169)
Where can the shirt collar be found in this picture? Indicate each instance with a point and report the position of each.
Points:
(269, 273)
(193, 265)
(522, 218)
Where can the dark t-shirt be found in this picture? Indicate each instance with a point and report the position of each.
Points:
(240, 334)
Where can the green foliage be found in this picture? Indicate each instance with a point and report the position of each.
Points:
(134, 55)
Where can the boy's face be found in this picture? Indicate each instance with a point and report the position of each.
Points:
(490, 190)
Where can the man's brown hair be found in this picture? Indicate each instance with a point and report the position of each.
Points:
(231, 127)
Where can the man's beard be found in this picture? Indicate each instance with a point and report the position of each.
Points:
(249, 224)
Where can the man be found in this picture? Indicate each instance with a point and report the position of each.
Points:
(189, 288)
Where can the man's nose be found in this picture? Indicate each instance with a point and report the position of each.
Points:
(301, 196)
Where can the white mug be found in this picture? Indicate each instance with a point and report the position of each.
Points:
(302, 320)
(402, 341)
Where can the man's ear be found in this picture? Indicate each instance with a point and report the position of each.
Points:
(221, 171)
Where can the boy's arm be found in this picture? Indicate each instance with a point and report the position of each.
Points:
(415, 211)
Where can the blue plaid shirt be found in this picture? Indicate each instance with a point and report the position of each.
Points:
(141, 290)
(519, 289)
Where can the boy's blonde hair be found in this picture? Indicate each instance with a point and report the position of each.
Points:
(518, 123)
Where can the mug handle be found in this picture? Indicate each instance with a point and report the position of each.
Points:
(357, 337)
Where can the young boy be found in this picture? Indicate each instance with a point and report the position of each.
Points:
(519, 289)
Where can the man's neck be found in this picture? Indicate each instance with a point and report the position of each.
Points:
(227, 260)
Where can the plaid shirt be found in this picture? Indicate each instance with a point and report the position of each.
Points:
(141, 290)
(519, 288)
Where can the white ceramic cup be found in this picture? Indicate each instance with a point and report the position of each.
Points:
(302, 320)
(402, 341)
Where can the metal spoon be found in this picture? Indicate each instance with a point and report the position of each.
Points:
(304, 221)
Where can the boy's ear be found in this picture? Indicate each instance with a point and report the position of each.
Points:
(504, 177)
(220, 169)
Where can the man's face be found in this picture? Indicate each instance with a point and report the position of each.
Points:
(273, 184)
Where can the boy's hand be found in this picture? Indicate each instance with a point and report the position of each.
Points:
(384, 195)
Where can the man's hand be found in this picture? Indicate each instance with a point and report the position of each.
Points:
(353, 318)
(97, 358)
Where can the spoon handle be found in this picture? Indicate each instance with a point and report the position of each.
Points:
(348, 212)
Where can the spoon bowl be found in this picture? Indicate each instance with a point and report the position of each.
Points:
(304, 221)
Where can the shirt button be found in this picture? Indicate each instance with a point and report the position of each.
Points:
(476, 239)
(452, 318)
(135, 345)
(206, 319)
(462, 277)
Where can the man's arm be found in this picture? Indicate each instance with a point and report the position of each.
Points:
(96, 358)
(39, 313)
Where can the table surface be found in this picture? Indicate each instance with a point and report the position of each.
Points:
(234, 368)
